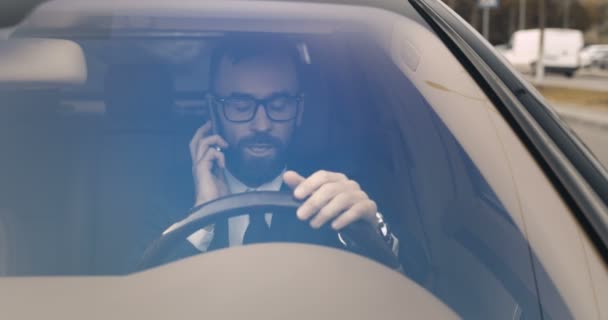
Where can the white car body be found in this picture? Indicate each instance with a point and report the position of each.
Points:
(561, 49)
(591, 53)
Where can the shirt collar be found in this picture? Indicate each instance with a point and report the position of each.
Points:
(236, 186)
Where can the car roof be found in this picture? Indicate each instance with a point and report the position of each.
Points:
(14, 11)
(79, 15)
(397, 6)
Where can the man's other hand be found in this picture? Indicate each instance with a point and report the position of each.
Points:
(330, 196)
(208, 163)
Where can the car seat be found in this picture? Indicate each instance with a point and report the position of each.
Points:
(134, 164)
(33, 192)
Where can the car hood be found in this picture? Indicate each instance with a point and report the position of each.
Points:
(265, 281)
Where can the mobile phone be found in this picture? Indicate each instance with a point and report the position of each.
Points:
(213, 118)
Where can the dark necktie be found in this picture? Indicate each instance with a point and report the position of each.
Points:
(258, 230)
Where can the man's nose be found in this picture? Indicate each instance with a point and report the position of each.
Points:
(261, 122)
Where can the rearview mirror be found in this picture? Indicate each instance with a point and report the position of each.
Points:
(41, 62)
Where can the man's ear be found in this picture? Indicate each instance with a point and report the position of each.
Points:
(300, 115)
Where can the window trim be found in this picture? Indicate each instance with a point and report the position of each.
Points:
(572, 169)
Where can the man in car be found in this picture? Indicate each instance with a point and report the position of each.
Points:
(257, 105)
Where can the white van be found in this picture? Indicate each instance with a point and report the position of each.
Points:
(561, 50)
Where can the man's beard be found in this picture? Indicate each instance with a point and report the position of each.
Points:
(255, 171)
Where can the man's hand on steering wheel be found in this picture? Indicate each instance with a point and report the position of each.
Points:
(364, 235)
(330, 196)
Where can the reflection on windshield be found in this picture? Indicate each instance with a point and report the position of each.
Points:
(93, 175)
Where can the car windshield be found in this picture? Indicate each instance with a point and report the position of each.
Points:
(104, 144)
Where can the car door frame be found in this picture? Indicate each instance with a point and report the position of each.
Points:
(571, 167)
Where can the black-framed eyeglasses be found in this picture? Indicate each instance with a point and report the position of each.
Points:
(242, 108)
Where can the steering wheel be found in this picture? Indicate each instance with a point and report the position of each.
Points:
(359, 235)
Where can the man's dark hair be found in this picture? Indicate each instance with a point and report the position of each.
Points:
(238, 48)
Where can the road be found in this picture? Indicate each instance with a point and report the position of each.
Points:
(590, 125)
(595, 138)
(595, 80)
